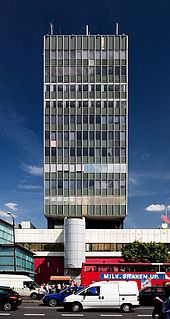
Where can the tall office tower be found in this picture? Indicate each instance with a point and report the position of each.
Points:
(85, 128)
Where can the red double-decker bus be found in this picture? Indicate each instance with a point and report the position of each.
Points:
(145, 274)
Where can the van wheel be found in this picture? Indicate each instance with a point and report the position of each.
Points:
(7, 306)
(33, 296)
(53, 302)
(76, 307)
(126, 307)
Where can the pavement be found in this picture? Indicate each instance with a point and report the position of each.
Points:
(29, 300)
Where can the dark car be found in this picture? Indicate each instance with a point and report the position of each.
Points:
(55, 299)
(147, 295)
(9, 299)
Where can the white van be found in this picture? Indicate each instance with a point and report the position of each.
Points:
(24, 285)
(105, 294)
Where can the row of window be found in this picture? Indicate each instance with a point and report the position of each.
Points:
(44, 246)
(85, 119)
(85, 135)
(79, 184)
(91, 70)
(91, 210)
(104, 247)
(85, 88)
(85, 151)
(85, 54)
(85, 104)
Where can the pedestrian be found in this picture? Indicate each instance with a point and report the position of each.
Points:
(48, 288)
(157, 310)
(166, 308)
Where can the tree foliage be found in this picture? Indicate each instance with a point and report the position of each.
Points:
(145, 252)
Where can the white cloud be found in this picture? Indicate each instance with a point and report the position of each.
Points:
(12, 206)
(29, 187)
(34, 170)
(133, 181)
(155, 208)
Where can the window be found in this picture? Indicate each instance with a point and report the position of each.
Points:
(66, 153)
(98, 55)
(53, 119)
(79, 184)
(60, 119)
(72, 136)
(91, 151)
(72, 119)
(98, 151)
(92, 291)
(66, 119)
(72, 184)
(79, 119)
(98, 135)
(72, 87)
(66, 136)
(85, 54)
(103, 119)
(79, 151)
(104, 71)
(60, 88)
(66, 184)
(47, 119)
(85, 184)
(97, 184)
(60, 135)
(85, 135)
(79, 54)
(117, 70)
(72, 104)
(72, 151)
(85, 151)
(53, 184)
(53, 151)
(60, 55)
(60, 184)
(104, 136)
(66, 55)
(91, 135)
(91, 119)
(98, 119)
(85, 119)
(79, 136)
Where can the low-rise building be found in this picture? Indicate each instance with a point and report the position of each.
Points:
(62, 251)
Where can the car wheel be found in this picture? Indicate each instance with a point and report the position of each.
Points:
(126, 307)
(53, 302)
(76, 307)
(33, 296)
(7, 306)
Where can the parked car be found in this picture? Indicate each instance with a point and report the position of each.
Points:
(147, 295)
(105, 294)
(9, 299)
(22, 284)
(55, 299)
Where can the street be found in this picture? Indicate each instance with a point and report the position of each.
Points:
(35, 310)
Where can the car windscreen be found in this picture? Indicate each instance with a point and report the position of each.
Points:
(80, 290)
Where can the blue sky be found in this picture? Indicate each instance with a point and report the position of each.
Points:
(23, 24)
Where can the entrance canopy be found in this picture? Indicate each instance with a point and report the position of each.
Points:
(60, 278)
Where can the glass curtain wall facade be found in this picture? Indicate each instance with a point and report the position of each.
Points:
(86, 129)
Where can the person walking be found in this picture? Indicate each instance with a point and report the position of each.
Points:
(157, 310)
(166, 308)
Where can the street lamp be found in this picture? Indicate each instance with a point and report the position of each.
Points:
(13, 227)
(159, 208)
